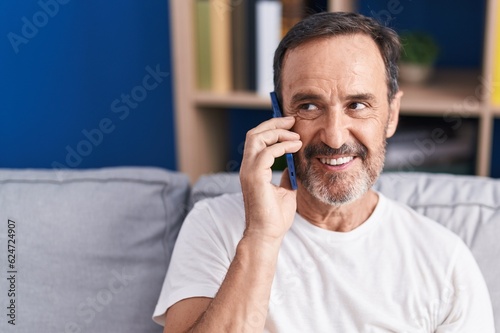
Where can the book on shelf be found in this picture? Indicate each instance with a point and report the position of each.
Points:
(220, 40)
(293, 12)
(268, 26)
(242, 38)
(238, 51)
(251, 73)
(202, 47)
(432, 146)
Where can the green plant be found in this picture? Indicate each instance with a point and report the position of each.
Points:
(418, 48)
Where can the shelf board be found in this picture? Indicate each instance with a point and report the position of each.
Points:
(245, 100)
(448, 91)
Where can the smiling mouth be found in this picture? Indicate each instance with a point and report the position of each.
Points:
(336, 161)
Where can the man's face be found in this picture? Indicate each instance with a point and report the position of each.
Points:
(336, 89)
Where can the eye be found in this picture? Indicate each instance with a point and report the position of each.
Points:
(357, 106)
(308, 107)
(308, 111)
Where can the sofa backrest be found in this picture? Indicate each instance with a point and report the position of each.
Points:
(467, 205)
(91, 247)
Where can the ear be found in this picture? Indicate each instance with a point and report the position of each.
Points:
(394, 107)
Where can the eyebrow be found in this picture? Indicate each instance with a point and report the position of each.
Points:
(362, 97)
(300, 97)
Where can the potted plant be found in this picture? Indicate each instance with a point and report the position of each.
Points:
(418, 54)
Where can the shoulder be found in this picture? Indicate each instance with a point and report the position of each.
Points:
(223, 214)
(410, 218)
(419, 230)
(431, 247)
(221, 206)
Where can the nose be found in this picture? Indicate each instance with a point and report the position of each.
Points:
(334, 128)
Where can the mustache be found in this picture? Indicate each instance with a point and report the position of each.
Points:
(357, 149)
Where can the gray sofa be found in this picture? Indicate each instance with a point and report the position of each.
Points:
(92, 246)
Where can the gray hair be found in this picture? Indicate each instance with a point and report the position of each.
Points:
(331, 24)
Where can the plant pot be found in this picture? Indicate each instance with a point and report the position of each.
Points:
(415, 73)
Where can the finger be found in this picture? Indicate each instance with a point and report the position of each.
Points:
(265, 159)
(273, 123)
(257, 142)
(281, 148)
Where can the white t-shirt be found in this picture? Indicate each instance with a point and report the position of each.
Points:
(397, 272)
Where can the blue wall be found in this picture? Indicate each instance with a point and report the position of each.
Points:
(85, 84)
(456, 25)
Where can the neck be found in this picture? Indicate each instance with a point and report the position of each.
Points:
(341, 218)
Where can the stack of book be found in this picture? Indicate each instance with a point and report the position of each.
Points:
(236, 40)
(433, 145)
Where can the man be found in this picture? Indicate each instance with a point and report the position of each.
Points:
(333, 256)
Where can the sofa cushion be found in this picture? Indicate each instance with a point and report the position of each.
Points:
(91, 247)
(467, 205)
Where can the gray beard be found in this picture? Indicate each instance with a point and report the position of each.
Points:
(338, 188)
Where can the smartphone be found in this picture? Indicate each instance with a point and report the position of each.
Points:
(289, 156)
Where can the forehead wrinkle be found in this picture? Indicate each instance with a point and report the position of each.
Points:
(304, 96)
(326, 56)
(314, 92)
(329, 92)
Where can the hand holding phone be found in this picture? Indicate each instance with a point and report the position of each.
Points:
(289, 157)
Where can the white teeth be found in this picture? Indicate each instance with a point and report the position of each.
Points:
(336, 161)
